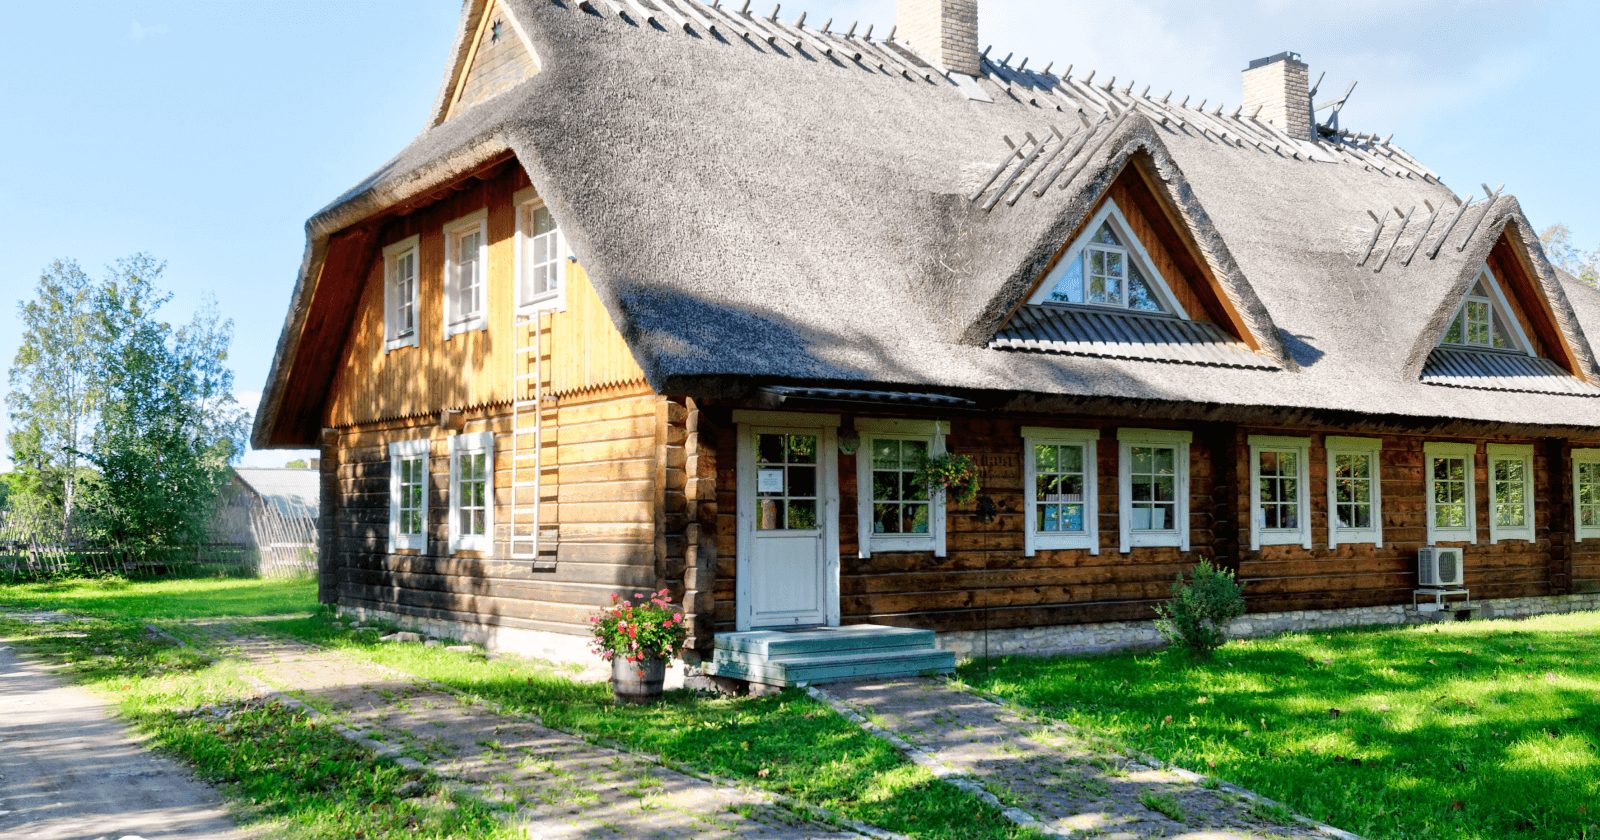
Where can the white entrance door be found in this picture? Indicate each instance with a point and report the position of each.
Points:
(788, 513)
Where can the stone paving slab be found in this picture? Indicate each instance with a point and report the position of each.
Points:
(559, 786)
(1075, 786)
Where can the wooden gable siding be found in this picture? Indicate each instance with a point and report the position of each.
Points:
(1171, 248)
(471, 369)
(492, 65)
(1532, 311)
(987, 581)
(587, 351)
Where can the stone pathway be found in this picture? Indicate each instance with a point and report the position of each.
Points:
(557, 785)
(1073, 785)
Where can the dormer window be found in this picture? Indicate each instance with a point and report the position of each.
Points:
(400, 294)
(1483, 320)
(541, 256)
(1109, 268)
(466, 264)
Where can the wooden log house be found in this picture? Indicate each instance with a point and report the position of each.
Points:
(670, 295)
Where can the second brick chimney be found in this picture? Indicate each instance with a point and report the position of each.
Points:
(1280, 84)
(943, 31)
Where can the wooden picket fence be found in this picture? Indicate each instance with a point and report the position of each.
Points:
(268, 545)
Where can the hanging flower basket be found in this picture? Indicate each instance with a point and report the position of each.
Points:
(956, 476)
(638, 636)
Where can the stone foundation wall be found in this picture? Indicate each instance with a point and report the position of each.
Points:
(1132, 635)
(556, 647)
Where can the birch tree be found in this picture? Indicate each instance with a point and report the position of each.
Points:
(53, 396)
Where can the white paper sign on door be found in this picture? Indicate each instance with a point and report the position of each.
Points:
(769, 481)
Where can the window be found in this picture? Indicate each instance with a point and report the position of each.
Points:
(1280, 506)
(400, 294)
(1058, 470)
(1586, 492)
(466, 263)
(1452, 512)
(1108, 267)
(1154, 487)
(1355, 491)
(472, 492)
(1511, 489)
(541, 256)
(1483, 321)
(408, 495)
(896, 512)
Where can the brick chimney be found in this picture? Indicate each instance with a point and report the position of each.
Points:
(1280, 84)
(943, 31)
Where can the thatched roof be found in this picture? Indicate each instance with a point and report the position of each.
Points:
(753, 212)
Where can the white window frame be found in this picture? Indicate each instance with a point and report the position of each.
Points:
(1511, 452)
(472, 442)
(1442, 449)
(1178, 536)
(1499, 308)
(526, 201)
(400, 451)
(1579, 530)
(1111, 214)
(1300, 535)
(933, 432)
(1337, 445)
(392, 337)
(454, 322)
(1033, 539)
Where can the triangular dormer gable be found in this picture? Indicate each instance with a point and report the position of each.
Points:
(1508, 329)
(1130, 265)
(491, 54)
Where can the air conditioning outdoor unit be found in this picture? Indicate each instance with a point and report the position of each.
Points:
(1438, 567)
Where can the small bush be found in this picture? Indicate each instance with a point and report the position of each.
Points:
(1194, 619)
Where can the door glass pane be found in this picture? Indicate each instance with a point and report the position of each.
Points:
(786, 482)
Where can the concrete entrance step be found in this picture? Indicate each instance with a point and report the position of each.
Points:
(827, 654)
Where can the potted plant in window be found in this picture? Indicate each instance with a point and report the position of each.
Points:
(638, 635)
(954, 475)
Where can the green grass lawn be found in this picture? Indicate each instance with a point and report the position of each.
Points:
(789, 743)
(192, 598)
(1480, 730)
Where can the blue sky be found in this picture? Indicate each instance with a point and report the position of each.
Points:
(205, 133)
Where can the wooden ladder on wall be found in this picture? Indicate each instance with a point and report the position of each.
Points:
(527, 437)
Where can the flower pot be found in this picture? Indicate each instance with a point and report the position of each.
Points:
(638, 682)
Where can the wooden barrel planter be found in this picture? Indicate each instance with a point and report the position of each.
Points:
(638, 682)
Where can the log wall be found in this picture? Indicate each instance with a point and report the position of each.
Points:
(985, 580)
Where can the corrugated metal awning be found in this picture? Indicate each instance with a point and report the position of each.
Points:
(1124, 335)
(861, 395)
(1460, 368)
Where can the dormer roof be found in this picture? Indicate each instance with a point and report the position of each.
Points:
(762, 203)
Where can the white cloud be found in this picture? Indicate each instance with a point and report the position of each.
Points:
(138, 31)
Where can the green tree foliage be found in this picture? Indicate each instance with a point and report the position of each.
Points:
(1199, 610)
(1584, 265)
(101, 379)
(53, 394)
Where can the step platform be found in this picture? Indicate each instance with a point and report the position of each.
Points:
(812, 655)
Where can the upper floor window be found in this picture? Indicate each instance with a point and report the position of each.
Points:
(1280, 504)
(466, 264)
(541, 256)
(1452, 505)
(1355, 490)
(400, 294)
(1109, 267)
(897, 512)
(1154, 487)
(1058, 470)
(1484, 319)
